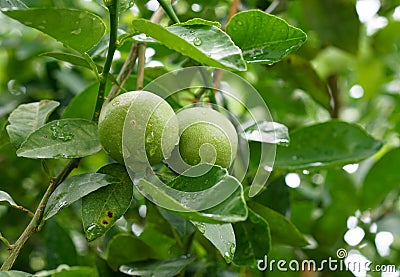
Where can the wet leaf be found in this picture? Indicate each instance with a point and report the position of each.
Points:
(27, 118)
(201, 41)
(221, 236)
(78, 29)
(267, 132)
(74, 188)
(193, 193)
(103, 207)
(62, 139)
(326, 144)
(272, 43)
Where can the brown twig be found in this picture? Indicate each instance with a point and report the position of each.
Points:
(232, 11)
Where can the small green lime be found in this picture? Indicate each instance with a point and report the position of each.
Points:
(148, 113)
(206, 136)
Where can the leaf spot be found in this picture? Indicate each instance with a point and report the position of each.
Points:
(110, 214)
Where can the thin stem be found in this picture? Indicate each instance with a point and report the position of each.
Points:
(234, 8)
(141, 65)
(125, 72)
(208, 85)
(25, 210)
(272, 6)
(38, 216)
(167, 6)
(335, 93)
(113, 11)
(5, 241)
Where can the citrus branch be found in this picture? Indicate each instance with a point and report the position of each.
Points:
(130, 61)
(37, 219)
(113, 11)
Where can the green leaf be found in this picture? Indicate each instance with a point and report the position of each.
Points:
(253, 240)
(326, 144)
(27, 118)
(15, 273)
(183, 226)
(60, 248)
(78, 29)
(221, 236)
(299, 73)
(12, 4)
(282, 230)
(165, 268)
(333, 21)
(67, 271)
(125, 248)
(69, 58)
(157, 233)
(267, 132)
(103, 207)
(6, 199)
(74, 188)
(83, 105)
(64, 138)
(199, 21)
(204, 43)
(263, 37)
(382, 178)
(202, 191)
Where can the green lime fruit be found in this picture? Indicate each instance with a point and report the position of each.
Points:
(206, 136)
(152, 125)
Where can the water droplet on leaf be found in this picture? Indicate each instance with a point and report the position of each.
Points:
(15, 89)
(58, 132)
(91, 227)
(232, 249)
(62, 204)
(201, 227)
(76, 32)
(197, 41)
(227, 257)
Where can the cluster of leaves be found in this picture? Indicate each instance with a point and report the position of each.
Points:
(305, 91)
